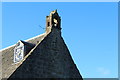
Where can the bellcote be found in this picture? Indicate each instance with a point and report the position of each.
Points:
(53, 20)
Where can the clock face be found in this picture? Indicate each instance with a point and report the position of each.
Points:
(18, 52)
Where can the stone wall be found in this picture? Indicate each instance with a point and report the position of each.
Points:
(7, 55)
(50, 59)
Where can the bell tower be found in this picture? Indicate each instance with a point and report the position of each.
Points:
(53, 20)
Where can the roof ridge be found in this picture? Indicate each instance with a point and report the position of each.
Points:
(22, 40)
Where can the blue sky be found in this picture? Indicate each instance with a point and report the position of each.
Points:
(90, 30)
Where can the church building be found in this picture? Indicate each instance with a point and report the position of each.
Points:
(43, 56)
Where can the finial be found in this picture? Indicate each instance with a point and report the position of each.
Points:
(55, 10)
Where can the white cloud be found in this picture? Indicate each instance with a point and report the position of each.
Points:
(103, 71)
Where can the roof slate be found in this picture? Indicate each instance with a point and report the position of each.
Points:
(8, 66)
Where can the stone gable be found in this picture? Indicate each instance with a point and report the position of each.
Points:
(47, 56)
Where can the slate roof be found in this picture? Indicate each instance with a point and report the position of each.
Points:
(49, 47)
(50, 58)
(7, 54)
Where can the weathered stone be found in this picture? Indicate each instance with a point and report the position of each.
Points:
(49, 58)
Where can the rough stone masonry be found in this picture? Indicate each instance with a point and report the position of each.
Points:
(46, 56)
